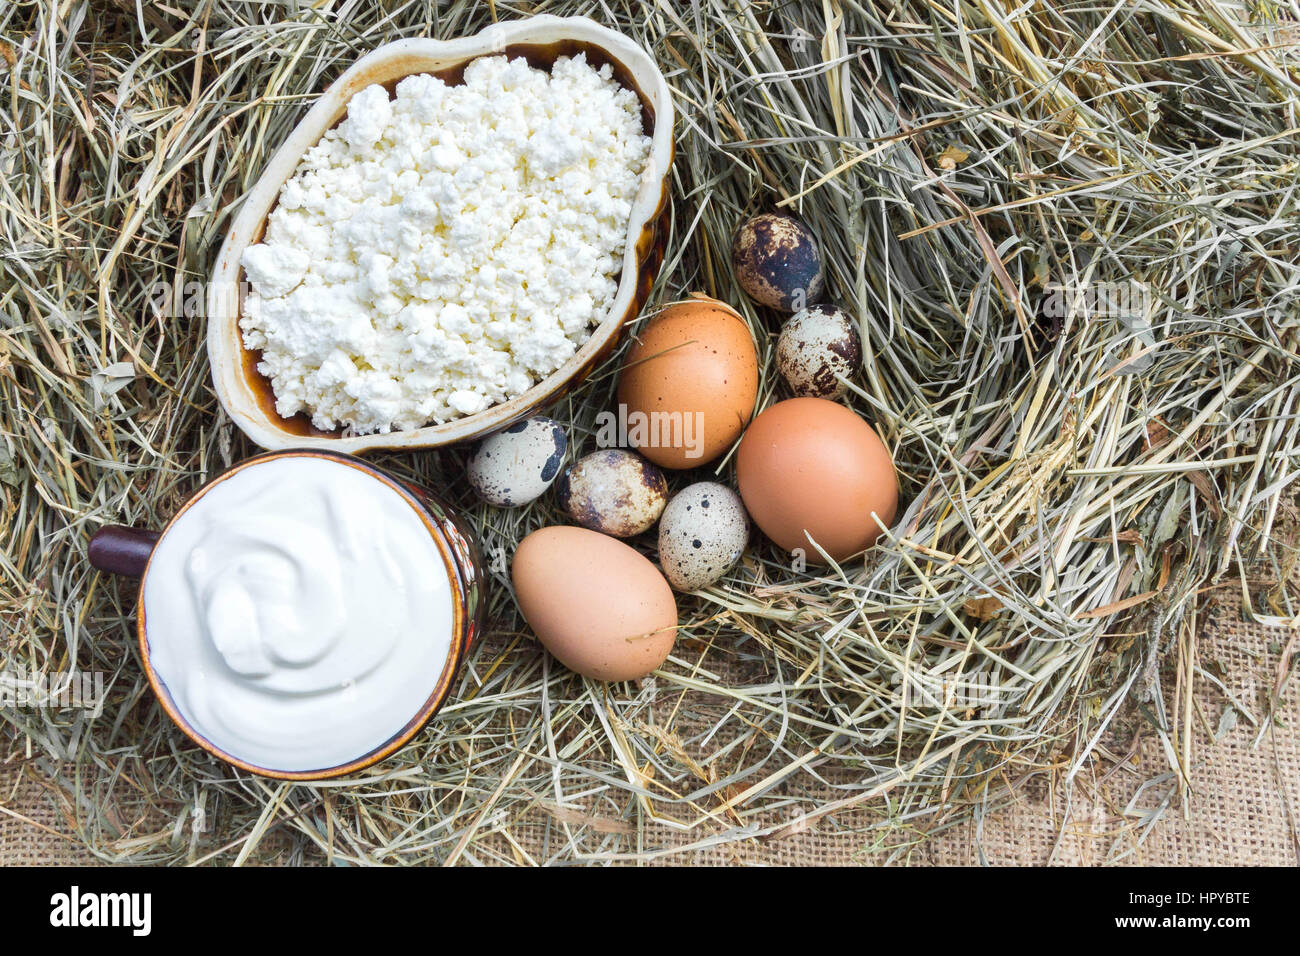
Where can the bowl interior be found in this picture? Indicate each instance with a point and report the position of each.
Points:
(638, 270)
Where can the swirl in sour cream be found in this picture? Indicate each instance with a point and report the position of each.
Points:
(299, 613)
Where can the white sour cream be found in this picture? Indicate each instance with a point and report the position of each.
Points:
(299, 613)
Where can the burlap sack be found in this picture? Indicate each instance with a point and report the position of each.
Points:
(1238, 806)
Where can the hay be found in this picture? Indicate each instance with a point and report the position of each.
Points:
(1072, 471)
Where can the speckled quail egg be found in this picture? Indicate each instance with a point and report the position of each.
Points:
(701, 535)
(614, 491)
(817, 344)
(514, 466)
(777, 262)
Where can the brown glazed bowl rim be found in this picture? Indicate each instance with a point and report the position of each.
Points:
(441, 690)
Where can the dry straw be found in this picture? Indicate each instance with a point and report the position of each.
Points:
(1069, 232)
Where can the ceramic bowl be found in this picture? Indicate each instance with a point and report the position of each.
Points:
(246, 394)
(128, 551)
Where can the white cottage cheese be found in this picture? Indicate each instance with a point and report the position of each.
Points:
(443, 251)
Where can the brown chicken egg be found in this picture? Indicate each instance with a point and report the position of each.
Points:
(689, 384)
(595, 603)
(808, 466)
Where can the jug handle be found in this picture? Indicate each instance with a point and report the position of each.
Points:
(118, 549)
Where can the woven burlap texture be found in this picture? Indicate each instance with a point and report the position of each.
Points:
(1238, 808)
